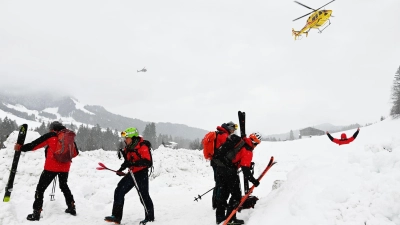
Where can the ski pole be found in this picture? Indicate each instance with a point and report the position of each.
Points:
(137, 188)
(53, 190)
(103, 167)
(199, 196)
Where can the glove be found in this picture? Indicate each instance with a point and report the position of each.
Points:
(120, 173)
(255, 182)
(126, 164)
(17, 147)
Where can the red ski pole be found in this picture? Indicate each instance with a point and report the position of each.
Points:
(270, 164)
(103, 167)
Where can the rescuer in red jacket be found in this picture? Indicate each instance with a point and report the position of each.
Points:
(229, 178)
(52, 168)
(224, 131)
(343, 138)
(139, 160)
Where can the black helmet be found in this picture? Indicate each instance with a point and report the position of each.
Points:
(55, 125)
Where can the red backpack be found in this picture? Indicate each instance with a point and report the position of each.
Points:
(209, 142)
(66, 148)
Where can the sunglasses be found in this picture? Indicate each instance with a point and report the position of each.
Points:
(123, 134)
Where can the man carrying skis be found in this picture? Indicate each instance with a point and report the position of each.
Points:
(138, 159)
(52, 168)
(229, 178)
(343, 138)
(224, 131)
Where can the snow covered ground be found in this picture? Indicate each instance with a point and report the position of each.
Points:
(324, 183)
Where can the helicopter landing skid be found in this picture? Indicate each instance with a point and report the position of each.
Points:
(320, 31)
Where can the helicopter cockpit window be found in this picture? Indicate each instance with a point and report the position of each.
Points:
(320, 12)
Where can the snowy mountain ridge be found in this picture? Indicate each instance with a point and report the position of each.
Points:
(35, 108)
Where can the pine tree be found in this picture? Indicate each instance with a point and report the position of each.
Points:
(6, 127)
(42, 129)
(196, 144)
(396, 94)
(150, 134)
(291, 135)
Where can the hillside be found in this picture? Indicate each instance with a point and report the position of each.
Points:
(35, 108)
(323, 184)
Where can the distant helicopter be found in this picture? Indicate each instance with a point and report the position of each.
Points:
(142, 70)
(317, 19)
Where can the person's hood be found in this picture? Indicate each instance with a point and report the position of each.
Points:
(222, 129)
(343, 136)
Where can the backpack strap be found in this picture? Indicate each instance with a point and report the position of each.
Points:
(228, 152)
(248, 147)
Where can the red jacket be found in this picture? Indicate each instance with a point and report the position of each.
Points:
(139, 154)
(343, 138)
(50, 140)
(244, 156)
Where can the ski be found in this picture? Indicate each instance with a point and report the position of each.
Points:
(242, 121)
(270, 164)
(242, 124)
(21, 139)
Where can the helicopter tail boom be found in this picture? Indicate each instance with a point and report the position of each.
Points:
(297, 34)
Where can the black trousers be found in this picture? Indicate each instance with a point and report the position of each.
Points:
(125, 185)
(229, 184)
(214, 194)
(44, 181)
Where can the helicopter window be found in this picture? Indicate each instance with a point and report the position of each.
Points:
(320, 12)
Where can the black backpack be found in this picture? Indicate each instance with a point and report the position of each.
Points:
(226, 153)
(148, 144)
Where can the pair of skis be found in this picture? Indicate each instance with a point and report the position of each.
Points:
(242, 124)
(10, 184)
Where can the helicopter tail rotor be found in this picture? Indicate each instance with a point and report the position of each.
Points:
(296, 34)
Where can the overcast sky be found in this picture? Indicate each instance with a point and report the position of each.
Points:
(207, 59)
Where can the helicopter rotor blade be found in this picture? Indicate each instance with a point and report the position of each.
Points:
(325, 5)
(304, 5)
(313, 9)
(303, 16)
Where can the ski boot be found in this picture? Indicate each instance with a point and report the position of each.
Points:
(71, 209)
(236, 222)
(112, 219)
(220, 219)
(143, 222)
(35, 216)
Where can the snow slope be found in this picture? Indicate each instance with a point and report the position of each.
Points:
(324, 183)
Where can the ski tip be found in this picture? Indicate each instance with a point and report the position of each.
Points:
(6, 199)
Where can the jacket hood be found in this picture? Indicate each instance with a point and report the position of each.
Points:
(222, 129)
(343, 136)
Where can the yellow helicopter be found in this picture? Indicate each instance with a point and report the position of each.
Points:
(317, 19)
